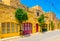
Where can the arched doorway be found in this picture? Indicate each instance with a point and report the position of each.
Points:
(27, 28)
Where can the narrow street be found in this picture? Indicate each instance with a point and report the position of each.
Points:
(47, 36)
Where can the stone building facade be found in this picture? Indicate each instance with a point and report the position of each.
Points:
(9, 26)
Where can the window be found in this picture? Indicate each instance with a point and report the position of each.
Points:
(37, 12)
(12, 26)
(8, 27)
(3, 28)
(16, 27)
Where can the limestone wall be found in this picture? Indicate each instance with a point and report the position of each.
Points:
(7, 13)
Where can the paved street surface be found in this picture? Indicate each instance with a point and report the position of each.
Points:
(47, 36)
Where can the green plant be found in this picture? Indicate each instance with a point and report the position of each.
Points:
(52, 25)
(42, 21)
(21, 16)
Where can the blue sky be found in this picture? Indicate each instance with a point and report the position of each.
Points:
(46, 5)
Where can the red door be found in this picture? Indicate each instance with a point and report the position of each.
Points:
(27, 28)
(36, 27)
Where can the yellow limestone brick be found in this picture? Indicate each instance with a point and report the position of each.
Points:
(7, 2)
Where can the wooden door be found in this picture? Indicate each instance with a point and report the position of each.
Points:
(36, 27)
(27, 28)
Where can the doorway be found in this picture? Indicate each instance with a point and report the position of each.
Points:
(44, 28)
(36, 27)
(27, 28)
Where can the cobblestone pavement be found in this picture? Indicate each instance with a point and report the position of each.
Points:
(47, 36)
